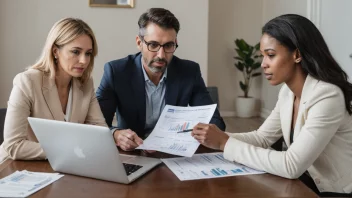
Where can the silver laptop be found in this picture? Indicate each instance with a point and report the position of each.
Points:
(87, 150)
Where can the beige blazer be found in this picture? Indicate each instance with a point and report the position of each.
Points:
(34, 94)
(322, 142)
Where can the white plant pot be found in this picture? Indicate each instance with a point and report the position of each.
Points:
(245, 107)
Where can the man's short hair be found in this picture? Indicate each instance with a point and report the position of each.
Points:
(161, 17)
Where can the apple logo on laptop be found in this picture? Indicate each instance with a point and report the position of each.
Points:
(79, 152)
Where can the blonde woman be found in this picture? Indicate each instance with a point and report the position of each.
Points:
(58, 87)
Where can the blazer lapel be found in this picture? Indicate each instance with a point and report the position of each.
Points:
(77, 97)
(51, 97)
(172, 85)
(138, 88)
(308, 88)
(286, 117)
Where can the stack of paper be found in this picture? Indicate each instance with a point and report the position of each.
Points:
(205, 166)
(24, 183)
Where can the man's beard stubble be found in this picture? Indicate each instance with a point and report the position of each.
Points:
(155, 69)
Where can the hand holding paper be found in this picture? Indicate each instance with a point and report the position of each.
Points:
(210, 136)
(165, 136)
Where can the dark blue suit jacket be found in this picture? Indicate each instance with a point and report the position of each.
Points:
(122, 89)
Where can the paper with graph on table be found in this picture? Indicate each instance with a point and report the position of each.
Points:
(174, 119)
(24, 183)
(205, 166)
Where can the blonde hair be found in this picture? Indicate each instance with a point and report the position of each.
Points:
(63, 32)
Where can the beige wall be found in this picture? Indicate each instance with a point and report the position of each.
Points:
(214, 23)
(24, 26)
(228, 20)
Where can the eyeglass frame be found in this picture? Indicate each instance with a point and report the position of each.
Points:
(149, 43)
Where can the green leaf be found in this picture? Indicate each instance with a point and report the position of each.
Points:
(256, 65)
(249, 62)
(242, 45)
(257, 46)
(238, 58)
(250, 51)
(243, 86)
(256, 74)
(241, 53)
(239, 66)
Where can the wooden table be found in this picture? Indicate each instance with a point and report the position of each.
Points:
(161, 182)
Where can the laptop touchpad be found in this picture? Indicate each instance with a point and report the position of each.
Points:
(127, 158)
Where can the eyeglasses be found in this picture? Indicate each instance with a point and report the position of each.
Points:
(155, 47)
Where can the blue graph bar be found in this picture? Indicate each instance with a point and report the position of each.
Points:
(215, 172)
(206, 158)
(222, 172)
(237, 171)
(178, 147)
(204, 173)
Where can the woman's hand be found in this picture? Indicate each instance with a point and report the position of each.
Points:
(210, 136)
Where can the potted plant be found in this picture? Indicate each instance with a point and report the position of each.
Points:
(248, 60)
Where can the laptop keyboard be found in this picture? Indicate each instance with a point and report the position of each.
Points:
(131, 168)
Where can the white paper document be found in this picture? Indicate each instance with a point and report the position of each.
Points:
(205, 166)
(24, 183)
(173, 119)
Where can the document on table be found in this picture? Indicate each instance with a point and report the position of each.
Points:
(24, 183)
(205, 166)
(165, 138)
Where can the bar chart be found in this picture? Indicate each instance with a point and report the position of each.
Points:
(209, 165)
(179, 126)
(178, 147)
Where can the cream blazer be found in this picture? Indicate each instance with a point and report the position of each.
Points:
(322, 142)
(34, 94)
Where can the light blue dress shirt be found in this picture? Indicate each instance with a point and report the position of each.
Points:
(155, 100)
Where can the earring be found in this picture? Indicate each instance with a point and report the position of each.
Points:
(298, 60)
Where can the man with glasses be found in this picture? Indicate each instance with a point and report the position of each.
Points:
(139, 86)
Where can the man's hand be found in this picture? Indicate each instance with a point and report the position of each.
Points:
(127, 139)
